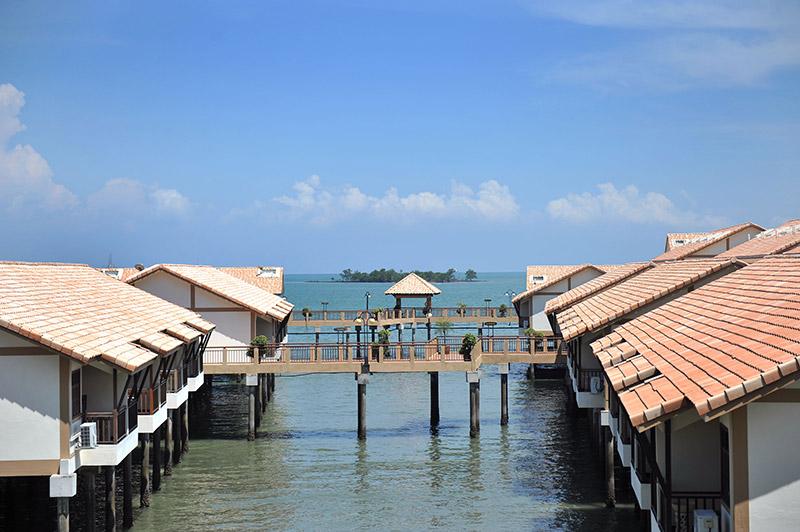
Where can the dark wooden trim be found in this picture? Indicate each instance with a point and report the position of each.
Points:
(23, 351)
(220, 309)
(65, 400)
(785, 395)
(741, 474)
(191, 296)
(25, 468)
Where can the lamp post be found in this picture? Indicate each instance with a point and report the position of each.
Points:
(367, 295)
(510, 295)
(324, 309)
(487, 301)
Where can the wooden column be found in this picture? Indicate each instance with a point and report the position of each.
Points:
(185, 427)
(362, 379)
(176, 434)
(144, 473)
(258, 391)
(157, 454)
(529, 373)
(503, 369)
(268, 387)
(62, 513)
(90, 496)
(434, 398)
(474, 380)
(251, 412)
(168, 446)
(272, 384)
(110, 486)
(127, 492)
(611, 496)
(264, 392)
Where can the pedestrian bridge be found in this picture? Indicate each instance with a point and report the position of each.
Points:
(397, 316)
(439, 354)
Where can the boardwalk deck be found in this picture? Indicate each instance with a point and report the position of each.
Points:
(436, 355)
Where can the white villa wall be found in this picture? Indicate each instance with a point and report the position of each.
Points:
(265, 327)
(205, 299)
(696, 457)
(584, 277)
(233, 328)
(8, 339)
(773, 465)
(538, 318)
(29, 406)
(98, 387)
(166, 286)
(732, 241)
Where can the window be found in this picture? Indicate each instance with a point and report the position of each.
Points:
(725, 466)
(537, 279)
(76, 393)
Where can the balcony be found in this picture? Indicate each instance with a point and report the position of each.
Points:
(582, 379)
(117, 435)
(177, 391)
(195, 375)
(675, 512)
(151, 407)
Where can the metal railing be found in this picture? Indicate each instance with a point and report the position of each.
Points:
(684, 503)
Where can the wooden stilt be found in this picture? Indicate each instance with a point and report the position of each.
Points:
(157, 454)
(529, 373)
(268, 387)
(272, 384)
(611, 496)
(144, 473)
(127, 492)
(110, 486)
(168, 442)
(258, 391)
(90, 496)
(185, 427)
(62, 513)
(503, 369)
(434, 375)
(176, 434)
(362, 379)
(264, 392)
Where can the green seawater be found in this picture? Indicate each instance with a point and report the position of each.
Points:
(307, 470)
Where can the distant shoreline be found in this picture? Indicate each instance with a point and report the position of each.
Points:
(379, 282)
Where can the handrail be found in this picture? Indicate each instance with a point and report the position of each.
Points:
(403, 313)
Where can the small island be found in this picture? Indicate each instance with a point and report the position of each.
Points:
(392, 276)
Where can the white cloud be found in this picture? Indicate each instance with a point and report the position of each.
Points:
(128, 197)
(26, 180)
(628, 205)
(681, 44)
(311, 201)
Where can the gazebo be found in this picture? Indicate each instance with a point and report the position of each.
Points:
(412, 286)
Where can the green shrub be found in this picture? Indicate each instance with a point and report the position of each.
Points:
(467, 343)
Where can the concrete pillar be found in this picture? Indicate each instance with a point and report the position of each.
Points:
(529, 373)
(144, 473)
(168, 446)
(362, 379)
(434, 398)
(611, 496)
(272, 384)
(268, 386)
(127, 492)
(110, 486)
(252, 389)
(90, 496)
(157, 454)
(503, 370)
(176, 434)
(62, 513)
(264, 392)
(474, 380)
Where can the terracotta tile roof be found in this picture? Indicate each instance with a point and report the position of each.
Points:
(769, 242)
(613, 276)
(678, 239)
(700, 243)
(550, 275)
(269, 278)
(729, 341)
(652, 284)
(412, 285)
(225, 286)
(86, 315)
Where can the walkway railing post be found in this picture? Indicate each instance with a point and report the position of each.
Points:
(434, 376)
(362, 379)
(503, 370)
(474, 380)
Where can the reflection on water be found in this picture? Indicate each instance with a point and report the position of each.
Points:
(307, 470)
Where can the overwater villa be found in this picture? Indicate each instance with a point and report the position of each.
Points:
(89, 369)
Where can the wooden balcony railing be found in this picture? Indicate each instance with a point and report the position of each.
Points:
(175, 380)
(454, 313)
(151, 399)
(585, 377)
(113, 426)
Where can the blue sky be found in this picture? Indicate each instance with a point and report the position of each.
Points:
(331, 135)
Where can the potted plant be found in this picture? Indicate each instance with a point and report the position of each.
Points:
(383, 340)
(443, 326)
(259, 343)
(462, 309)
(306, 313)
(536, 343)
(467, 344)
(377, 312)
(503, 309)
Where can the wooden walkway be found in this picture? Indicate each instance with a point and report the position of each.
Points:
(388, 317)
(436, 355)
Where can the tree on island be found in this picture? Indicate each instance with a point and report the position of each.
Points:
(470, 275)
(392, 276)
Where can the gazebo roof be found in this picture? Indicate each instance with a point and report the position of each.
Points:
(412, 285)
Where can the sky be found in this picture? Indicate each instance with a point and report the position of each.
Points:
(323, 135)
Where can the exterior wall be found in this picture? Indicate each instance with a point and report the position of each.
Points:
(168, 287)
(265, 327)
(98, 387)
(233, 327)
(29, 407)
(773, 465)
(696, 457)
(584, 277)
(205, 299)
(538, 318)
(724, 245)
